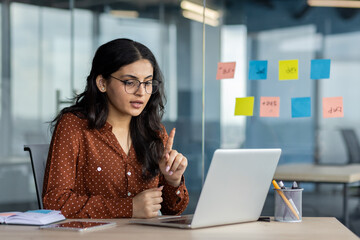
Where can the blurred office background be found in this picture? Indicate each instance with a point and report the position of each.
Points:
(47, 48)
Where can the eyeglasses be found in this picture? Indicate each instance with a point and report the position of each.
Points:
(133, 85)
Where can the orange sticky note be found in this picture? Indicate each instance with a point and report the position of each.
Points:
(288, 69)
(333, 107)
(244, 106)
(225, 70)
(269, 106)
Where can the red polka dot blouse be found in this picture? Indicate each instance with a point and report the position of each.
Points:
(88, 175)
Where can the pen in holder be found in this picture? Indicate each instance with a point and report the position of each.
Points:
(288, 205)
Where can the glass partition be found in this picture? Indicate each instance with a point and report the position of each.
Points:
(290, 30)
(275, 31)
(52, 45)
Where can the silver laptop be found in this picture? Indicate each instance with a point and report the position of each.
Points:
(234, 191)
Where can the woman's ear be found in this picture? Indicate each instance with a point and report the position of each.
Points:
(101, 83)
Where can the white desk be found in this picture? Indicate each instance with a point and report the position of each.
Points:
(344, 174)
(310, 228)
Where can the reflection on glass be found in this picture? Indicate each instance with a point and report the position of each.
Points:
(43, 64)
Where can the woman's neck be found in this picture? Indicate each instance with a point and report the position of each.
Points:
(121, 130)
(119, 122)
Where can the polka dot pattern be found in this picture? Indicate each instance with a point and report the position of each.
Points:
(88, 175)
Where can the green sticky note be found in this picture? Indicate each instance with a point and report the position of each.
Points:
(288, 69)
(244, 106)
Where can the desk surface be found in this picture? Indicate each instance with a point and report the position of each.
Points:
(318, 173)
(310, 228)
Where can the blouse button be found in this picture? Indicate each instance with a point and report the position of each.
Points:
(177, 192)
(129, 173)
(129, 194)
(99, 169)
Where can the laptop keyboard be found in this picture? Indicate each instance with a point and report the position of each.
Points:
(179, 221)
(184, 219)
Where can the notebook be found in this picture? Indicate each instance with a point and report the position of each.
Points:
(234, 191)
(31, 217)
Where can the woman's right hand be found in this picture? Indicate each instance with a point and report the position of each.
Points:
(147, 203)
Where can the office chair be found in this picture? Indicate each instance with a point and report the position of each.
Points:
(38, 156)
(353, 151)
(352, 145)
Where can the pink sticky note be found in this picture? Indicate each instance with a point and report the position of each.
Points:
(225, 70)
(333, 107)
(269, 106)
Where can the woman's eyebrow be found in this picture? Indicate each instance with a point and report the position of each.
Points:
(128, 75)
(134, 77)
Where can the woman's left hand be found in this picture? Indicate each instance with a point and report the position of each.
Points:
(172, 164)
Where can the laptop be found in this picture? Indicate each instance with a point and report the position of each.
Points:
(234, 191)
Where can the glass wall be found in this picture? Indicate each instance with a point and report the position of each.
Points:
(340, 48)
(291, 30)
(279, 30)
(52, 45)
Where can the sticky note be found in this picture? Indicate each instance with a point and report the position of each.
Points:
(269, 106)
(320, 69)
(301, 107)
(244, 106)
(258, 70)
(288, 69)
(333, 107)
(225, 70)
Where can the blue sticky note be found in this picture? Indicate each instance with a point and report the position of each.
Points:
(301, 107)
(320, 68)
(258, 70)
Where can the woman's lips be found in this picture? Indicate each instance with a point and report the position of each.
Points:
(136, 104)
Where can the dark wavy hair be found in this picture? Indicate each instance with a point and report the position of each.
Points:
(92, 104)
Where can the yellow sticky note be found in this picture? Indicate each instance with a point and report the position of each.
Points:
(288, 69)
(244, 106)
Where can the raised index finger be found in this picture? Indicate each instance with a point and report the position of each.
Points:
(170, 141)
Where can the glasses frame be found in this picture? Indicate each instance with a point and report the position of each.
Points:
(138, 84)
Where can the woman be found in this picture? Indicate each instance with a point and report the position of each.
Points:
(110, 156)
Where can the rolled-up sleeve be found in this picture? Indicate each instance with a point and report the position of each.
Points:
(175, 199)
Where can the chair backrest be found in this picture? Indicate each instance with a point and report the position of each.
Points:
(352, 145)
(38, 156)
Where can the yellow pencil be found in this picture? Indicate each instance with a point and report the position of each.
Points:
(276, 186)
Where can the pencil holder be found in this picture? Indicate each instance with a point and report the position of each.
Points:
(288, 205)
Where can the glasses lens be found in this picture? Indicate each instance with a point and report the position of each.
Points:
(148, 86)
(154, 86)
(131, 86)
